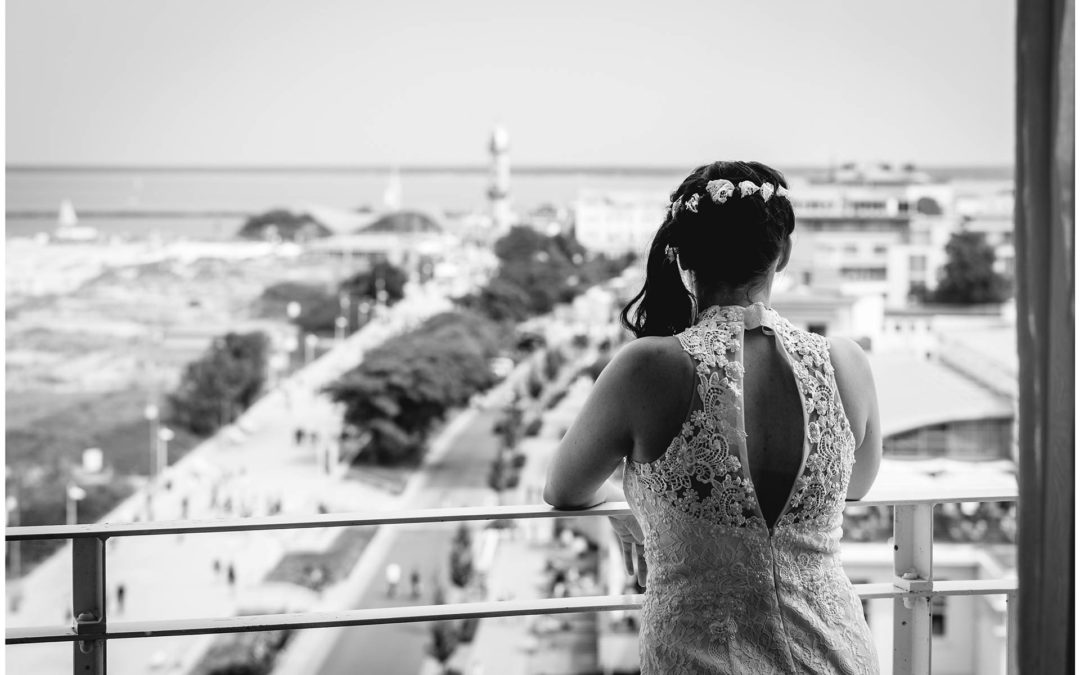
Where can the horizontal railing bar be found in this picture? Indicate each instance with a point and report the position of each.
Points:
(415, 516)
(466, 513)
(949, 588)
(354, 617)
(472, 610)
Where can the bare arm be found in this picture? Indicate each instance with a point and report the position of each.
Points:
(859, 396)
(632, 396)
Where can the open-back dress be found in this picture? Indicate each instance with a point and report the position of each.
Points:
(727, 591)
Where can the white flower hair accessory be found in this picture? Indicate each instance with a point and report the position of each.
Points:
(767, 191)
(746, 188)
(675, 206)
(670, 253)
(720, 190)
(781, 191)
(693, 202)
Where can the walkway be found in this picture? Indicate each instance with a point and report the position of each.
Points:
(251, 470)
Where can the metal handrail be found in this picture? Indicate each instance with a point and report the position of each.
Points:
(884, 497)
(419, 613)
(911, 590)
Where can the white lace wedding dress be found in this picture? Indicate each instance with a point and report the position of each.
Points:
(727, 594)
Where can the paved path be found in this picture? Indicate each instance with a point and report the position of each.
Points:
(459, 478)
(171, 577)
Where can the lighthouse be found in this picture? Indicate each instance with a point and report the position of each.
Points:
(499, 192)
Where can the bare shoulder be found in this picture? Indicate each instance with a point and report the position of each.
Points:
(856, 385)
(849, 359)
(652, 359)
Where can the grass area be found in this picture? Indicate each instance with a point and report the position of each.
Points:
(335, 563)
(254, 653)
(242, 654)
(112, 421)
(41, 450)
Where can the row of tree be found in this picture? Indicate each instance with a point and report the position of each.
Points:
(321, 306)
(537, 272)
(394, 398)
(403, 388)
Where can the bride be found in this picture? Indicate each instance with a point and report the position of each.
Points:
(742, 436)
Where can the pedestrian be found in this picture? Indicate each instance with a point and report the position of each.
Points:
(414, 583)
(393, 578)
(298, 435)
(184, 508)
(230, 575)
(120, 597)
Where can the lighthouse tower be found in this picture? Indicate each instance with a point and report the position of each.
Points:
(499, 192)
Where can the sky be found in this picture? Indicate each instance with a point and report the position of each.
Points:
(329, 82)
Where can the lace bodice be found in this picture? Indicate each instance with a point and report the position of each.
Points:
(727, 594)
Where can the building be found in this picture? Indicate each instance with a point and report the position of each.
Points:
(871, 238)
(615, 223)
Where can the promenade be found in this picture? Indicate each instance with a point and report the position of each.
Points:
(173, 577)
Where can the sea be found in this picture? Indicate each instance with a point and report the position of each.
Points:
(212, 203)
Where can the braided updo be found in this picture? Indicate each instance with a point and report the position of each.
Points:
(731, 244)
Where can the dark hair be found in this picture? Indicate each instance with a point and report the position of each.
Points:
(731, 244)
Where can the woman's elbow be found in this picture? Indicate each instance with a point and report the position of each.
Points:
(560, 499)
(553, 497)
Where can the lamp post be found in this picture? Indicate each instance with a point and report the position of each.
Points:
(344, 303)
(152, 414)
(15, 557)
(293, 311)
(310, 341)
(340, 324)
(13, 521)
(165, 434)
(75, 494)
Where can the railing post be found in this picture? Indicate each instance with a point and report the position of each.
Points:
(913, 565)
(1012, 635)
(88, 603)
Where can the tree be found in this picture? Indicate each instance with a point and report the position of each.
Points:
(444, 634)
(499, 300)
(382, 277)
(403, 387)
(318, 306)
(461, 560)
(282, 225)
(969, 276)
(221, 384)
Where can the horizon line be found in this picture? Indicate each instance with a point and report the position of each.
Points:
(534, 168)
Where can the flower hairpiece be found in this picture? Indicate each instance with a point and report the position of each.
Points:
(670, 253)
(746, 188)
(720, 190)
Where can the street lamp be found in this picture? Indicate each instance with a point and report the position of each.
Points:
(344, 302)
(75, 494)
(152, 414)
(13, 521)
(310, 341)
(340, 324)
(165, 434)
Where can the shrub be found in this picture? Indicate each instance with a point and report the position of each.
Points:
(224, 382)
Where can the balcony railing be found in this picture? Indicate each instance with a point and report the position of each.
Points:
(912, 588)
